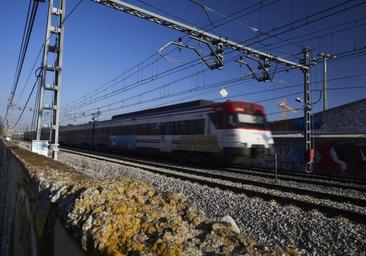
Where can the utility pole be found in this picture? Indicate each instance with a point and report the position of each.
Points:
(309, 150)
(8, 117)
(56, 14)
(325, 58)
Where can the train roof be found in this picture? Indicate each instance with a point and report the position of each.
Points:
(176, 107)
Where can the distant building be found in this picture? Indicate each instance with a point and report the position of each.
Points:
(349, 118)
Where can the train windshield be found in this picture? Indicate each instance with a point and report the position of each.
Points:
(247, 120)
(251, 119)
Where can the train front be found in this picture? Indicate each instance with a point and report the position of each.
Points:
(243, 132)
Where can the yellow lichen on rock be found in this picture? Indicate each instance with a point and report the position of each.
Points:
(143, 220)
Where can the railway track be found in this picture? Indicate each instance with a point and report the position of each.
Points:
(320, 180)
(342, 183)
(330, 204)
(360, 181)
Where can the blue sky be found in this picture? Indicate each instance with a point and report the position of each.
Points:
(101, 43)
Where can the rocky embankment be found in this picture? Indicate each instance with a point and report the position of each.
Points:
(122, 216)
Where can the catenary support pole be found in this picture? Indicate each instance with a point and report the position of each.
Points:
(325, 57)
(54, 41)
(308, 150)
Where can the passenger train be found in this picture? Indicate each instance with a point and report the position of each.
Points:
(227, 132)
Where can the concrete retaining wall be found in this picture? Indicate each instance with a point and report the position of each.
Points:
(29, 223)
(48, 208)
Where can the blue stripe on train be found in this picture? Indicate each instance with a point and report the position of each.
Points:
(123, 141)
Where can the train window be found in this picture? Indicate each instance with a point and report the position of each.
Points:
(189, 127)
(140, 129)
(114, 130)
(152, 129)
(215, 119)
(162, 129)
(231, 119)
(197, 126)
(180, 128)
(146, 129)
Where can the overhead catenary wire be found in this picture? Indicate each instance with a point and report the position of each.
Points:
(260, 101)
(339, 11)
(200, 88)
(94, 100)
(164, 11)
(27, 101)
(203, 87)
(292, 25)
(253, 29)
(304, 38)
(233, 16)
(28, 28)
(29, 76)
(120, 101)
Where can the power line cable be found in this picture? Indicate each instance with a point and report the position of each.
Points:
(227, 82)
(26, 104)
(239, 12)
(164, 11)
(31, 14)
(298, 37)
(253, 29)
(142, 94)
(291, 24)
(330, 8)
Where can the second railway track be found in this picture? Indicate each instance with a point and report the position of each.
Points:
(325, 181)
(330, 204)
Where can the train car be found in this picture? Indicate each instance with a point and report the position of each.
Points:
(17, 135)
(230, 132)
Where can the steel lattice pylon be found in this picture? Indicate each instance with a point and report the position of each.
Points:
(53, 49)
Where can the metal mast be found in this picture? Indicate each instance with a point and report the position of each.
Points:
(309, 150)
(53, 50)
(325, 58)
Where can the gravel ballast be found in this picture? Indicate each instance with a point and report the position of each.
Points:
(265, 221)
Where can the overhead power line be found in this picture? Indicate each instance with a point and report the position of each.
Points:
(206, 87)
(28, 28)
(251, 28)
(314, 34)
(338, 54)
(231, 17)
(27, 101)
(305, 21)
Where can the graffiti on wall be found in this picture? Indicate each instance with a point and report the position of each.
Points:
(331, 158)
